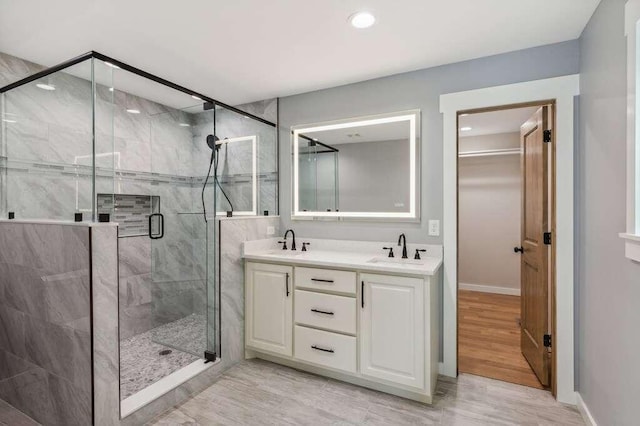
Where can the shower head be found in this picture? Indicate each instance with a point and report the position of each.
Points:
(213, 141)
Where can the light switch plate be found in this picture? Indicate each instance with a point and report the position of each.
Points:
(271, 230)
(434, 228)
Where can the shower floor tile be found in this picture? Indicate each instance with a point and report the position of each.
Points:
(187, 334)
(141, 363)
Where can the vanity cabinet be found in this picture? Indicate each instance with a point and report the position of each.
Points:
(392, 320)
(269, 307)
(372, 329)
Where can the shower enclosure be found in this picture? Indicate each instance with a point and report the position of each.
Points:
(94, 139)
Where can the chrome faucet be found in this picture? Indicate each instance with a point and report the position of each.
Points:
(403, 238)
(293, 237)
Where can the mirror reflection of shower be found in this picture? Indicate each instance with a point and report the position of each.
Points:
(233, 164)
(318, 171)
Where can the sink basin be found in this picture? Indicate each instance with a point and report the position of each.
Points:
(396, 261)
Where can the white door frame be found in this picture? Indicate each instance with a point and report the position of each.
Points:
(562, 90)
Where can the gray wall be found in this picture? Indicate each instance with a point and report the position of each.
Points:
(490, 191)
(414, 90)
(608, 284)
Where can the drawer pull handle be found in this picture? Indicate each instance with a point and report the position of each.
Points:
(318, 280)
(318, 348)
(322, 312)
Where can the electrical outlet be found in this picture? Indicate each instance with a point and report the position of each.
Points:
(271, 230)
(434, 228)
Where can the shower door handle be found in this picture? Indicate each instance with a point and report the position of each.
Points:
(160, 217)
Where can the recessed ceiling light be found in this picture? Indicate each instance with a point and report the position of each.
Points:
(465, 129)
(362, 20)
(109, 64)
(44, 86)
(111, 89)
(184, 125)
(133, 111)
(196, 98)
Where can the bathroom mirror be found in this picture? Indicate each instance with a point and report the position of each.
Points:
(358, 168)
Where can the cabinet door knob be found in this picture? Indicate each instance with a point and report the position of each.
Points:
(518, 249)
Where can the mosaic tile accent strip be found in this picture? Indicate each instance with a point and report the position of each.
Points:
(130, 211)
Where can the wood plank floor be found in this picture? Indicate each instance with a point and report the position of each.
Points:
(489, 338)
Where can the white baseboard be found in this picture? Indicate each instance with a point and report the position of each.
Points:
(584, 411)
(489, 289)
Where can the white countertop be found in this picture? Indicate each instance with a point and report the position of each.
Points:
(358, 255)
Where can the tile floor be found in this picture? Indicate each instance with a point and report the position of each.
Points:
(261, 393)
(257, 392)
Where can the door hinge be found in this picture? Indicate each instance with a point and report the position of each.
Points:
(547, 238)
(546, 136)
(547, 340)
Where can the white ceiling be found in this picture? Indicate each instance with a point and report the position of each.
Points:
(495, 122)
(246, 50)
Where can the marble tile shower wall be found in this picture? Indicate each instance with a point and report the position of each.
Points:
(54, 127)
(233, 232)
(155, 155)
(45, 341)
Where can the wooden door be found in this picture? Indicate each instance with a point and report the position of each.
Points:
(392, 335)
(535, 254)
(269, 308)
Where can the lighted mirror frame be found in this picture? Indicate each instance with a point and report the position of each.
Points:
(412, 117)
(254, 176)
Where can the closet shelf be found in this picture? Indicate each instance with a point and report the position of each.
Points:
(490, 152)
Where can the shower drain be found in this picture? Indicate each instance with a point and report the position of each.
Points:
(165, 352)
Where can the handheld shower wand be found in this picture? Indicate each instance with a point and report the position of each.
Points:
(214, 143)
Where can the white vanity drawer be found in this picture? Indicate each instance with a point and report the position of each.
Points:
(325, 311)
(324, 348)
(326, 279)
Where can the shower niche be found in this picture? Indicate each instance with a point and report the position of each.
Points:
(134, 213)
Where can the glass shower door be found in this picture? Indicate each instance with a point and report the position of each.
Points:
(183, 284)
